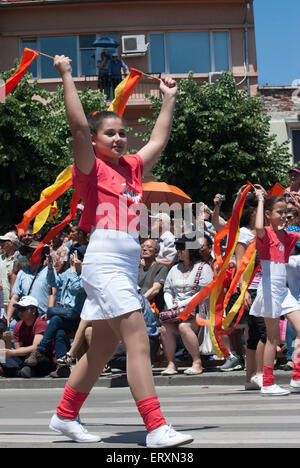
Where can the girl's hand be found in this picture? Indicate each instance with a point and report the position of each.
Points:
(217, 200)
(259, 193)
(62, 64)
(168, 86)
(260, 187)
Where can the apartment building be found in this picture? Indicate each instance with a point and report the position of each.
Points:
(156, 36)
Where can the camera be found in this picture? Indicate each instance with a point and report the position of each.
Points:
(222, 197)
(45, 251)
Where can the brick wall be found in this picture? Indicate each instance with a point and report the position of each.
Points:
(279, 99)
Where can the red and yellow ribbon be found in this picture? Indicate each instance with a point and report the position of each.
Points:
(27, 58)
(124, 90)
(216, 288)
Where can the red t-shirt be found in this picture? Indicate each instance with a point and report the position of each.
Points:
(111, 194)
(25, 335)
(276, 245)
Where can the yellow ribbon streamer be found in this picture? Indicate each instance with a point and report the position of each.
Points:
(41, 218)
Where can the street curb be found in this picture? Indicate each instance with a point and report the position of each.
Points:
(116, 380)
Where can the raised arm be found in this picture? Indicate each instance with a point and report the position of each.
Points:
(83, 149)
(162, 129)
(260, 218)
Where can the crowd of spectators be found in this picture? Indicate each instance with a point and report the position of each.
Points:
(40, 304)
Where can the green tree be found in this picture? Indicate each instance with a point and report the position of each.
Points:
(220, 140)
(35, 145)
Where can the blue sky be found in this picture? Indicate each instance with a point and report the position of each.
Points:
(277, 29)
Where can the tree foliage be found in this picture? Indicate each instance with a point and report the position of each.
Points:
(220, 140)
(35, 144)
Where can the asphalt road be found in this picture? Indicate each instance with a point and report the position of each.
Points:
(217, 416)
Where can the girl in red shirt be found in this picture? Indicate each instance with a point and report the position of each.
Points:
(111, 184)
(274, 299)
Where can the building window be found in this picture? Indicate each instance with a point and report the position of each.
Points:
(196, 51)
(30, 44)
(296, 145)
(78, 48)
(87, 55)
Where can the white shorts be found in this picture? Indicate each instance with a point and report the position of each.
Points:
(110, 274)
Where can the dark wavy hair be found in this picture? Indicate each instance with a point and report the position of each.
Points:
(271, 201)
(250, 205)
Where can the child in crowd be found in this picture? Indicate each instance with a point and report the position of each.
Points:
(274, 299)
(107, 181)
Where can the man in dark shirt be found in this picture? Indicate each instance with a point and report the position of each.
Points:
(152, 274)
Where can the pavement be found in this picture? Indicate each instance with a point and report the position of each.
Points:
(210, 376)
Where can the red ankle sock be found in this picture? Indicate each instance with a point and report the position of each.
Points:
(268, 377)
(70, 403)
(149, 409)
(296, 368)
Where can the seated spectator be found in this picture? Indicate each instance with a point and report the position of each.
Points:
(59, 251)
(206, 249)
(178, 291)
(167, 254)
(65, 317)
(119, 358)
(28, 333)
(32, 281)
(152, 274)
(10, 244)
(27, 237)
(84, 333)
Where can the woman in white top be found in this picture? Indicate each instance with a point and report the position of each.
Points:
(178, 292)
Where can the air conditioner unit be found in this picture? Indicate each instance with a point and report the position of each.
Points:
(213, 77)
(134, 45)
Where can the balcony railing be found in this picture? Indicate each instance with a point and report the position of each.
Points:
(146, 86)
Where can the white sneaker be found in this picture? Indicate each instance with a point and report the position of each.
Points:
(166, 436)
(295, 384)
(256, 382)
(72, 429)
(274, 390)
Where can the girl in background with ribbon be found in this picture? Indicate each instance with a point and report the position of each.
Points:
(274, 299)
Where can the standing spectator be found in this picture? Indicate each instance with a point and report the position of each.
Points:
(103, 82)
(167, 254)
(28, 333)
(152, 274)
(255, 329)
(292, 219)
(294, 175)
(115, 67)
(9, 243)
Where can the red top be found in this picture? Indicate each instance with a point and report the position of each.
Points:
(276, 246)
(25, 335)
(111, 193)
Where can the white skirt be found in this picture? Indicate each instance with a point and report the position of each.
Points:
(110, 274)
(273, 298)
